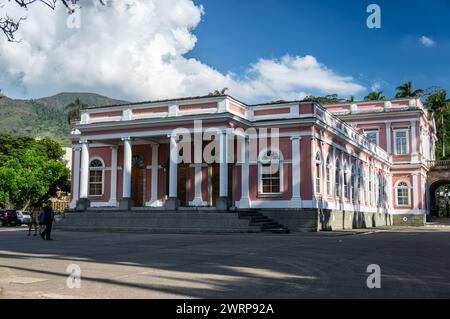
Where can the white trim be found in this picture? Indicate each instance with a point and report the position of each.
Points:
(401, 130)
(96, 169)
(397, 205)
(373, 131)
(281, 169)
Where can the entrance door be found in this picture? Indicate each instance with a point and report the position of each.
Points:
(137, 181)
(214, 170)
(182, 180)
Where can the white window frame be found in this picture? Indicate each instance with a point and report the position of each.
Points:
(260, 164)
(337, 174)
(396, 131)
(346, 181)
(328, 176)
(409, 193)
(318, 179)
(103, 175)
(373, 131)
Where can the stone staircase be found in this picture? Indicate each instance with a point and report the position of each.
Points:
(262, 223)
(162, 221)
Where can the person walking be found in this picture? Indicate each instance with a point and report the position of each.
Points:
(48, 221)
(34, 220)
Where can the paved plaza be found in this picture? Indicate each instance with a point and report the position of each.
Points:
(415, 263)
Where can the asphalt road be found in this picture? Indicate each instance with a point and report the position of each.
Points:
(414, 263)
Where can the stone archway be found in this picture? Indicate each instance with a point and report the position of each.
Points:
(439, 175)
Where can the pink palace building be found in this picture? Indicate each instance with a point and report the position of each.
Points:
(361, 164)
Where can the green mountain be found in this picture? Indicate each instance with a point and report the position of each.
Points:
(45, 116)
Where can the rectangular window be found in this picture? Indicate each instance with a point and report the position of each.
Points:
(372, 136)
(270, 179)
(95, 183)
(402, 197)
(401, 142)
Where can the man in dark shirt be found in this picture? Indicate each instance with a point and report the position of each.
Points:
(48, 220)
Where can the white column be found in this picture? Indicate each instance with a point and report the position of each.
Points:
(296, 198)
(127, 159)
(173, 167)
(388, 138)
(223, 191)
(198, 200)
(113, 197)
(84, 179)
(154, 202)
(76, 176)
(415, 186)
(245, 151)
(414, 157)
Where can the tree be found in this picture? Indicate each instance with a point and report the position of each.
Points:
(74, 110)
(351, 99)
(1, 95)
(10, 26)
(405, 90)
(439, 104)
(374, 96)
(324, 100)
(30, 171)
(219, 93)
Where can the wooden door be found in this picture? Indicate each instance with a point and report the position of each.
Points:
(215, 183)
(137, 185)
(181, 187)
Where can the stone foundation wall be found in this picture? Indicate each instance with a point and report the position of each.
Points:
(409, 220)
(297, 220)
(311, 220)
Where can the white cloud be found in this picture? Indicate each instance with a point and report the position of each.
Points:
(426, 41)
(135, 49)
(376, 86)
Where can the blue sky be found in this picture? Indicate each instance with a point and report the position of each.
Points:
(234, 33)
(262, 50)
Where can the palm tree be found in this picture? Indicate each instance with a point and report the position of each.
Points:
(405, 90)
(374, 96)
(74, 110)
(1, 95)
(219, 93)
(439, 104)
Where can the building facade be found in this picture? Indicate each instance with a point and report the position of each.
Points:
(350, 165)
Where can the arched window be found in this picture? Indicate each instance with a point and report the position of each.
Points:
(346, 182)
(353, 182)
(328, 175)
(318, 169)
(402, 191)
(270, 172)
(337, 179)
(362, 184)
(96, 177)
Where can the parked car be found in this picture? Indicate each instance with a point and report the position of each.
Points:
(9, 218)
(23, 217)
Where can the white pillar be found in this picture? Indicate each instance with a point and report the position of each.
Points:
(127, 162)
(296, 198)
(84, 179)
(76, 176)
(414, 157)
(154, 202)
(223, 191)
(198, 200)
(415, 186)
(113, 196)
(173, 167)
(388, 138)
(245, 151)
